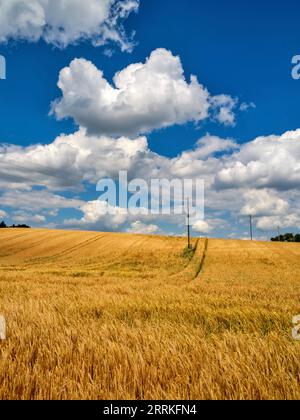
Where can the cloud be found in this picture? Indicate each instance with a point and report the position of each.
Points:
(78, 161)
(2, 214)
(65, 22)
(37, 200)
(23, 217)
(143, 97)
(139, 227)
(264, 203)
(266, 162)
(224, 106)
(68, 161)
(202, 226)
(208, 146)
(272, 222)
(99, 215)
(244, 107)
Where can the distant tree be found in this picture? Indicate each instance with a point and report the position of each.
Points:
(288, 237)
(278, 239)
(2, 225)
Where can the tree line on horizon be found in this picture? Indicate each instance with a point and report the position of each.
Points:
(4, 226)
(288, 237)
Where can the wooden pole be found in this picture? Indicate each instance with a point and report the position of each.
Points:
(188, 224)
(251, 228)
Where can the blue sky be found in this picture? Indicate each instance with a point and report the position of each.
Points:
(239, 49)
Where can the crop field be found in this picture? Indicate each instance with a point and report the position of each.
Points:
(114, 316)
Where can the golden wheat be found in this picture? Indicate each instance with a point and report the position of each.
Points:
(116, 316)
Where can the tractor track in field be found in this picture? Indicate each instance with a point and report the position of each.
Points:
(195, 267)
(127, 250)
(26, 248)
(65, 252)
(203, 259)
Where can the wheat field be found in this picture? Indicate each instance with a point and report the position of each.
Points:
(116, 316)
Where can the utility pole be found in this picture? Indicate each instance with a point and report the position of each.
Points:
(251, 228)
(278, 231)
(188, 224)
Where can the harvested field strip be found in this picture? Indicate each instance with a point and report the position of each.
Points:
(202, 261)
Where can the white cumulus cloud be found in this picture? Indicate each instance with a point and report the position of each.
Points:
(23, 217)
(37, 200)
(68, 161)
(143, 97)
(266, 162)
(99, 215)
(139, 227)
(263, 203)
(65, 22)
(270, 223)
(202, 226)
